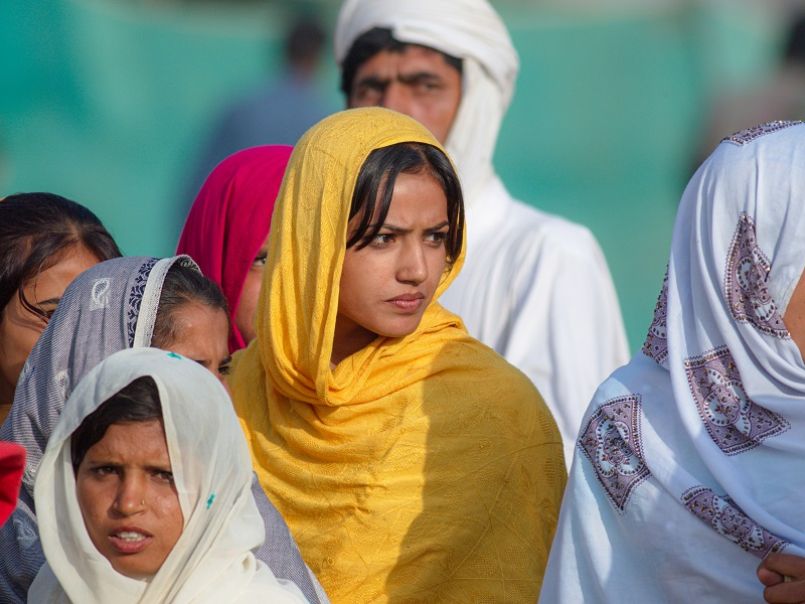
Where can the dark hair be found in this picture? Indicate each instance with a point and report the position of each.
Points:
(305, 41)
(137, 402)
(375, 186)
(183, 284)
(370, 43)
(36, 228)
(794, 47)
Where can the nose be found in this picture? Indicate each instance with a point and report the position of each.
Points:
(396, 97)
(413, 267)
(131, 495)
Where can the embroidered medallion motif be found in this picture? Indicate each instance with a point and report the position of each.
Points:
(746, 282)
(656, 344)
(136, 298)
(734, 422)
(99, 297)
(612, 443)
(743, 137)
(727, 519)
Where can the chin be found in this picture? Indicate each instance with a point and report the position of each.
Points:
(400, 329)
(134, 571)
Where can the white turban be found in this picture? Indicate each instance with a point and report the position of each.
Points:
(468, 29)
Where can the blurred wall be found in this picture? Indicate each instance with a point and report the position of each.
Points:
(107, 102)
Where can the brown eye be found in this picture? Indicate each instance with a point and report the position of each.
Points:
(382, 240)
(261, 259)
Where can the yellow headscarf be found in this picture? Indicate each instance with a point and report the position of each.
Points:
(420, 469)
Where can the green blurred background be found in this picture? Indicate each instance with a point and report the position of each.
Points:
(108, 101)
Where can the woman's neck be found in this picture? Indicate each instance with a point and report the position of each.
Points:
(349, 338)
(6, 395)
(5, 408)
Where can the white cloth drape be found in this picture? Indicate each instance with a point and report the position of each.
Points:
(534, 287)
(692, 463)
(212, 560)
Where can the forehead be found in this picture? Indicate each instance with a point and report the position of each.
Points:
(71, 262)
(201, 329)
(410, 58)
(132, 440)
(417, 199)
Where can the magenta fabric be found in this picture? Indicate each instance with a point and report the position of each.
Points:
(12, 463)
(230, 219)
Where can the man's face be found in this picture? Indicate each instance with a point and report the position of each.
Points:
(416, 81)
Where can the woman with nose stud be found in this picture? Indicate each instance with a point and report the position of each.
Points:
(144, 492)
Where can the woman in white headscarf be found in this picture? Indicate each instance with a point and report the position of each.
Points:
(122, 303)
(692, 464)
(144, 492)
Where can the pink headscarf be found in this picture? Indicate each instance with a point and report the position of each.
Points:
(12, 463)
(230, 219)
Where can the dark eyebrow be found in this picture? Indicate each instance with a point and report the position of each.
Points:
(418, 77)
(50, 301)
(372, 81)
(402, 231)
(390, 227)
(152, 468)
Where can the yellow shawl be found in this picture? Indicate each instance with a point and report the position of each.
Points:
(420, 469)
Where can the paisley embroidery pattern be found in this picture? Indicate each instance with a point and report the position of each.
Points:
(746, 282)
(727, 519)
(734, 422)
(136, 298)
(743, 137)
(612, 443)
(656, 344)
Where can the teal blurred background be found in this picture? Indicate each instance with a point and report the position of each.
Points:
(108, 102)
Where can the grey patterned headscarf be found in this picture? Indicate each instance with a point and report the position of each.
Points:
(109, 307)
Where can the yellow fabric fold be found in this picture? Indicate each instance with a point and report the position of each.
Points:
(420, 469)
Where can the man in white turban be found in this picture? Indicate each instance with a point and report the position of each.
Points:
(534, 287)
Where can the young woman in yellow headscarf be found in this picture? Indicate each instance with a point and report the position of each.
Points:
(411, 462)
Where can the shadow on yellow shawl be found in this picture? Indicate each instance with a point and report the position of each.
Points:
(420, 469)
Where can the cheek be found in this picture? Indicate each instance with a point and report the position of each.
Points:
(249, 294)
(362, 279)
(167, 509)
(437, 266)
(93, 503)
(18, 336)
(439, 116)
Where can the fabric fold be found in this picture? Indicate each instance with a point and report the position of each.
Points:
(690, 462)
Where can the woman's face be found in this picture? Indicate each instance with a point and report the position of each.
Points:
(202, 336)
(386, 286)
(20, 328)
(125, 490)
(247, 306)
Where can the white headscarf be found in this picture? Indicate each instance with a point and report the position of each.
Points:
(212, 560)
(467, 29)
(693, 455)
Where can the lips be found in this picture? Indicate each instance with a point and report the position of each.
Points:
(407, 302)
(130, 540)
